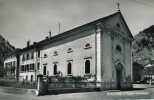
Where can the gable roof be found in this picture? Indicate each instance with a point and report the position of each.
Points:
(40, 43)
(117, 22)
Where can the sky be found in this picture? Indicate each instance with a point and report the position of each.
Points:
(21, 20)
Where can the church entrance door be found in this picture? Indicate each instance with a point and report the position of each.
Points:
(119, 76)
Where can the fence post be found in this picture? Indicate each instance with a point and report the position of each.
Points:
(40, 86)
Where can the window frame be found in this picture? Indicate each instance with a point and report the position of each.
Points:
(71, 62)
(45, 56)
(23, 57)
(87, 47)
(45, 70)
(32, 67)
(90, 60)
(27, 56)
(38, 53)
(32, 55)
(38, 66)
(55, 53)
(54, 68)
(69, 50)
(118, 48)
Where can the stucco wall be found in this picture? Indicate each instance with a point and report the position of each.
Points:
(128, 61)
(77, 42)
(22, 75)
(109, 55)
(106, 46)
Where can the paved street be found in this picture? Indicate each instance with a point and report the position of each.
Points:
(110, 94)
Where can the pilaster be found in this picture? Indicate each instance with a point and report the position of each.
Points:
(112, 49)
(124, 56)
(98, 49)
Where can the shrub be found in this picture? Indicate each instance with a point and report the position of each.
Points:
(7, 82)
(66, 79)
(12, 83)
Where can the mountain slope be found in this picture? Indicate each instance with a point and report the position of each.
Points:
(143, 46)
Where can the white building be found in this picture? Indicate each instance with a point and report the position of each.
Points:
(101, 48)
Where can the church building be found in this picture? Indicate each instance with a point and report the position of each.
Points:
(101, 48)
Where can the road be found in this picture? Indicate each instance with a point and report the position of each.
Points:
(109, 94)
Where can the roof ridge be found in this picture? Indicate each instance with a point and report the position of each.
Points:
(84, 25)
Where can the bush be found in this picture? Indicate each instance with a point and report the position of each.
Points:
(12, 83)
(7, 82)
(66, 79)
(25, 85)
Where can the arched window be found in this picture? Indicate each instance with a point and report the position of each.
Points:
(55, 53)
(118, 48)
(69, 50)
(45, 55)
(87, 46)
(69, 68)
(44, 70)
(55, 69)
(87, 66)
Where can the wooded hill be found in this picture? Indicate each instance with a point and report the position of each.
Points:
(143, 46)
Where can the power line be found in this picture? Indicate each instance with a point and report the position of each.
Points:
(142, 3)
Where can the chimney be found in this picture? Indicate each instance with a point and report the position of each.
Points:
(28, 43)
(59, 27)
(49, 34)
(47, 37)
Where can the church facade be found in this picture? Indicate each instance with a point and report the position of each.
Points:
(101, 48)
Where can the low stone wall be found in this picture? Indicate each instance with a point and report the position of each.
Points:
(107, 86)
(113, 85)
(127, 85)
(99, 86)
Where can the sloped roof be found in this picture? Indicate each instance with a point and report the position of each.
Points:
(40, 43)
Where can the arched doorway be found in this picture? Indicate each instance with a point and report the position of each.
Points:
(119, 77)
(119, 68)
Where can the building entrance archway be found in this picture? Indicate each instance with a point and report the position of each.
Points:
(119, 78)
(119, 67)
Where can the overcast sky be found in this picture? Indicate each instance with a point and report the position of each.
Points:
(21, 20)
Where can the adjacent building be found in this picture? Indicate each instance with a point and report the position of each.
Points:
(11, 64)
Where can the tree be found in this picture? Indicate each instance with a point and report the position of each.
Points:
(137, 69)
(148, 72)
(143, 46)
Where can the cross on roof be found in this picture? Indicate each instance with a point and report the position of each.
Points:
(118, 6)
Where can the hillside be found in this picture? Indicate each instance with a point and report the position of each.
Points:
(5, 48)
(143, 46)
